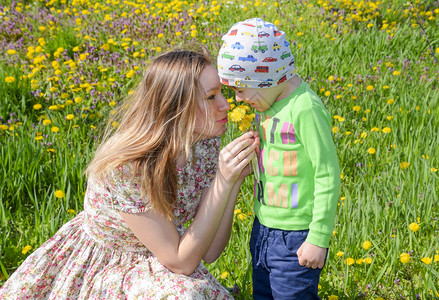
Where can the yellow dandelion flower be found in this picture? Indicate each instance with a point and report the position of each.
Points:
(46, 122)
(404, 258)
(427, 260)
(237, 114)
(130, 73)
(396, 73)
(375, 129)
(242, 217)
(70, 117)
(112, 103)
(366, 245)
(356, 108)
(340, 253)
(54, 129)
(368, 260)
(59, 194)
(9, 79)
(26, 249)
(224, 274)
(386, 130)
(371, 150)
(11, 52)
(369, 88)
(414, 227)
(404, 165)
(333, 297)
(4, 127)
(327, 93)
(246, 122)
(37, 106)
(350, 261)
(71, 211)
(390, 101)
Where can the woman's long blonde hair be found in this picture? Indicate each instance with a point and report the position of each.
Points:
(155, 126)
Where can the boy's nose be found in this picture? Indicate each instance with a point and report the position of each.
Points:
(238, 98)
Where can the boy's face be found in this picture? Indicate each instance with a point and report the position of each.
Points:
(259, 99)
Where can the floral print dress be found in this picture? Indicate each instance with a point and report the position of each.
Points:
(96, 255)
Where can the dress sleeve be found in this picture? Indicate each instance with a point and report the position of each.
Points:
(207, 153)
(125, 192)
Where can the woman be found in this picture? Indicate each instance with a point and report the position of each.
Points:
(159, 169)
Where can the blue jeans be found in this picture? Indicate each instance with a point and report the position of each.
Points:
(276, 270)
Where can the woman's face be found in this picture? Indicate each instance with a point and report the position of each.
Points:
(212, 110)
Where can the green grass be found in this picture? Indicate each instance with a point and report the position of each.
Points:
(349, 61)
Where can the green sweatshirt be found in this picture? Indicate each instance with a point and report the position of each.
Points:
(299, 171)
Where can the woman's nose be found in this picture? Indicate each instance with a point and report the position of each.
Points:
(223, 104)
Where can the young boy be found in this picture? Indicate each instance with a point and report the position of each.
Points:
(296, 198)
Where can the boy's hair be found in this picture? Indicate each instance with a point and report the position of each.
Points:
(255, 54)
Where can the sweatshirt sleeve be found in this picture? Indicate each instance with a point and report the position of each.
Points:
(313, 127)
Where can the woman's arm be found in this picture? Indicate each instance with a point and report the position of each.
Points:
(224, 230)
(223, 234)
(183, 254)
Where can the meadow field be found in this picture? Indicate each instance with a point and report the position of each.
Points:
(65, 65)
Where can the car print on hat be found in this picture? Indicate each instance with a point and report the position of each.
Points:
(255, 54)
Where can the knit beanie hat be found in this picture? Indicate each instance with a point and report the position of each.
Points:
(255, 54)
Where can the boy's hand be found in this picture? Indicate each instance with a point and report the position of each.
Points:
(311, 256)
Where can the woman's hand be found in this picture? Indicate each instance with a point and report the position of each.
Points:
(234, 159)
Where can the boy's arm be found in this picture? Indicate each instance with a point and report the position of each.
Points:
(313, 127)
